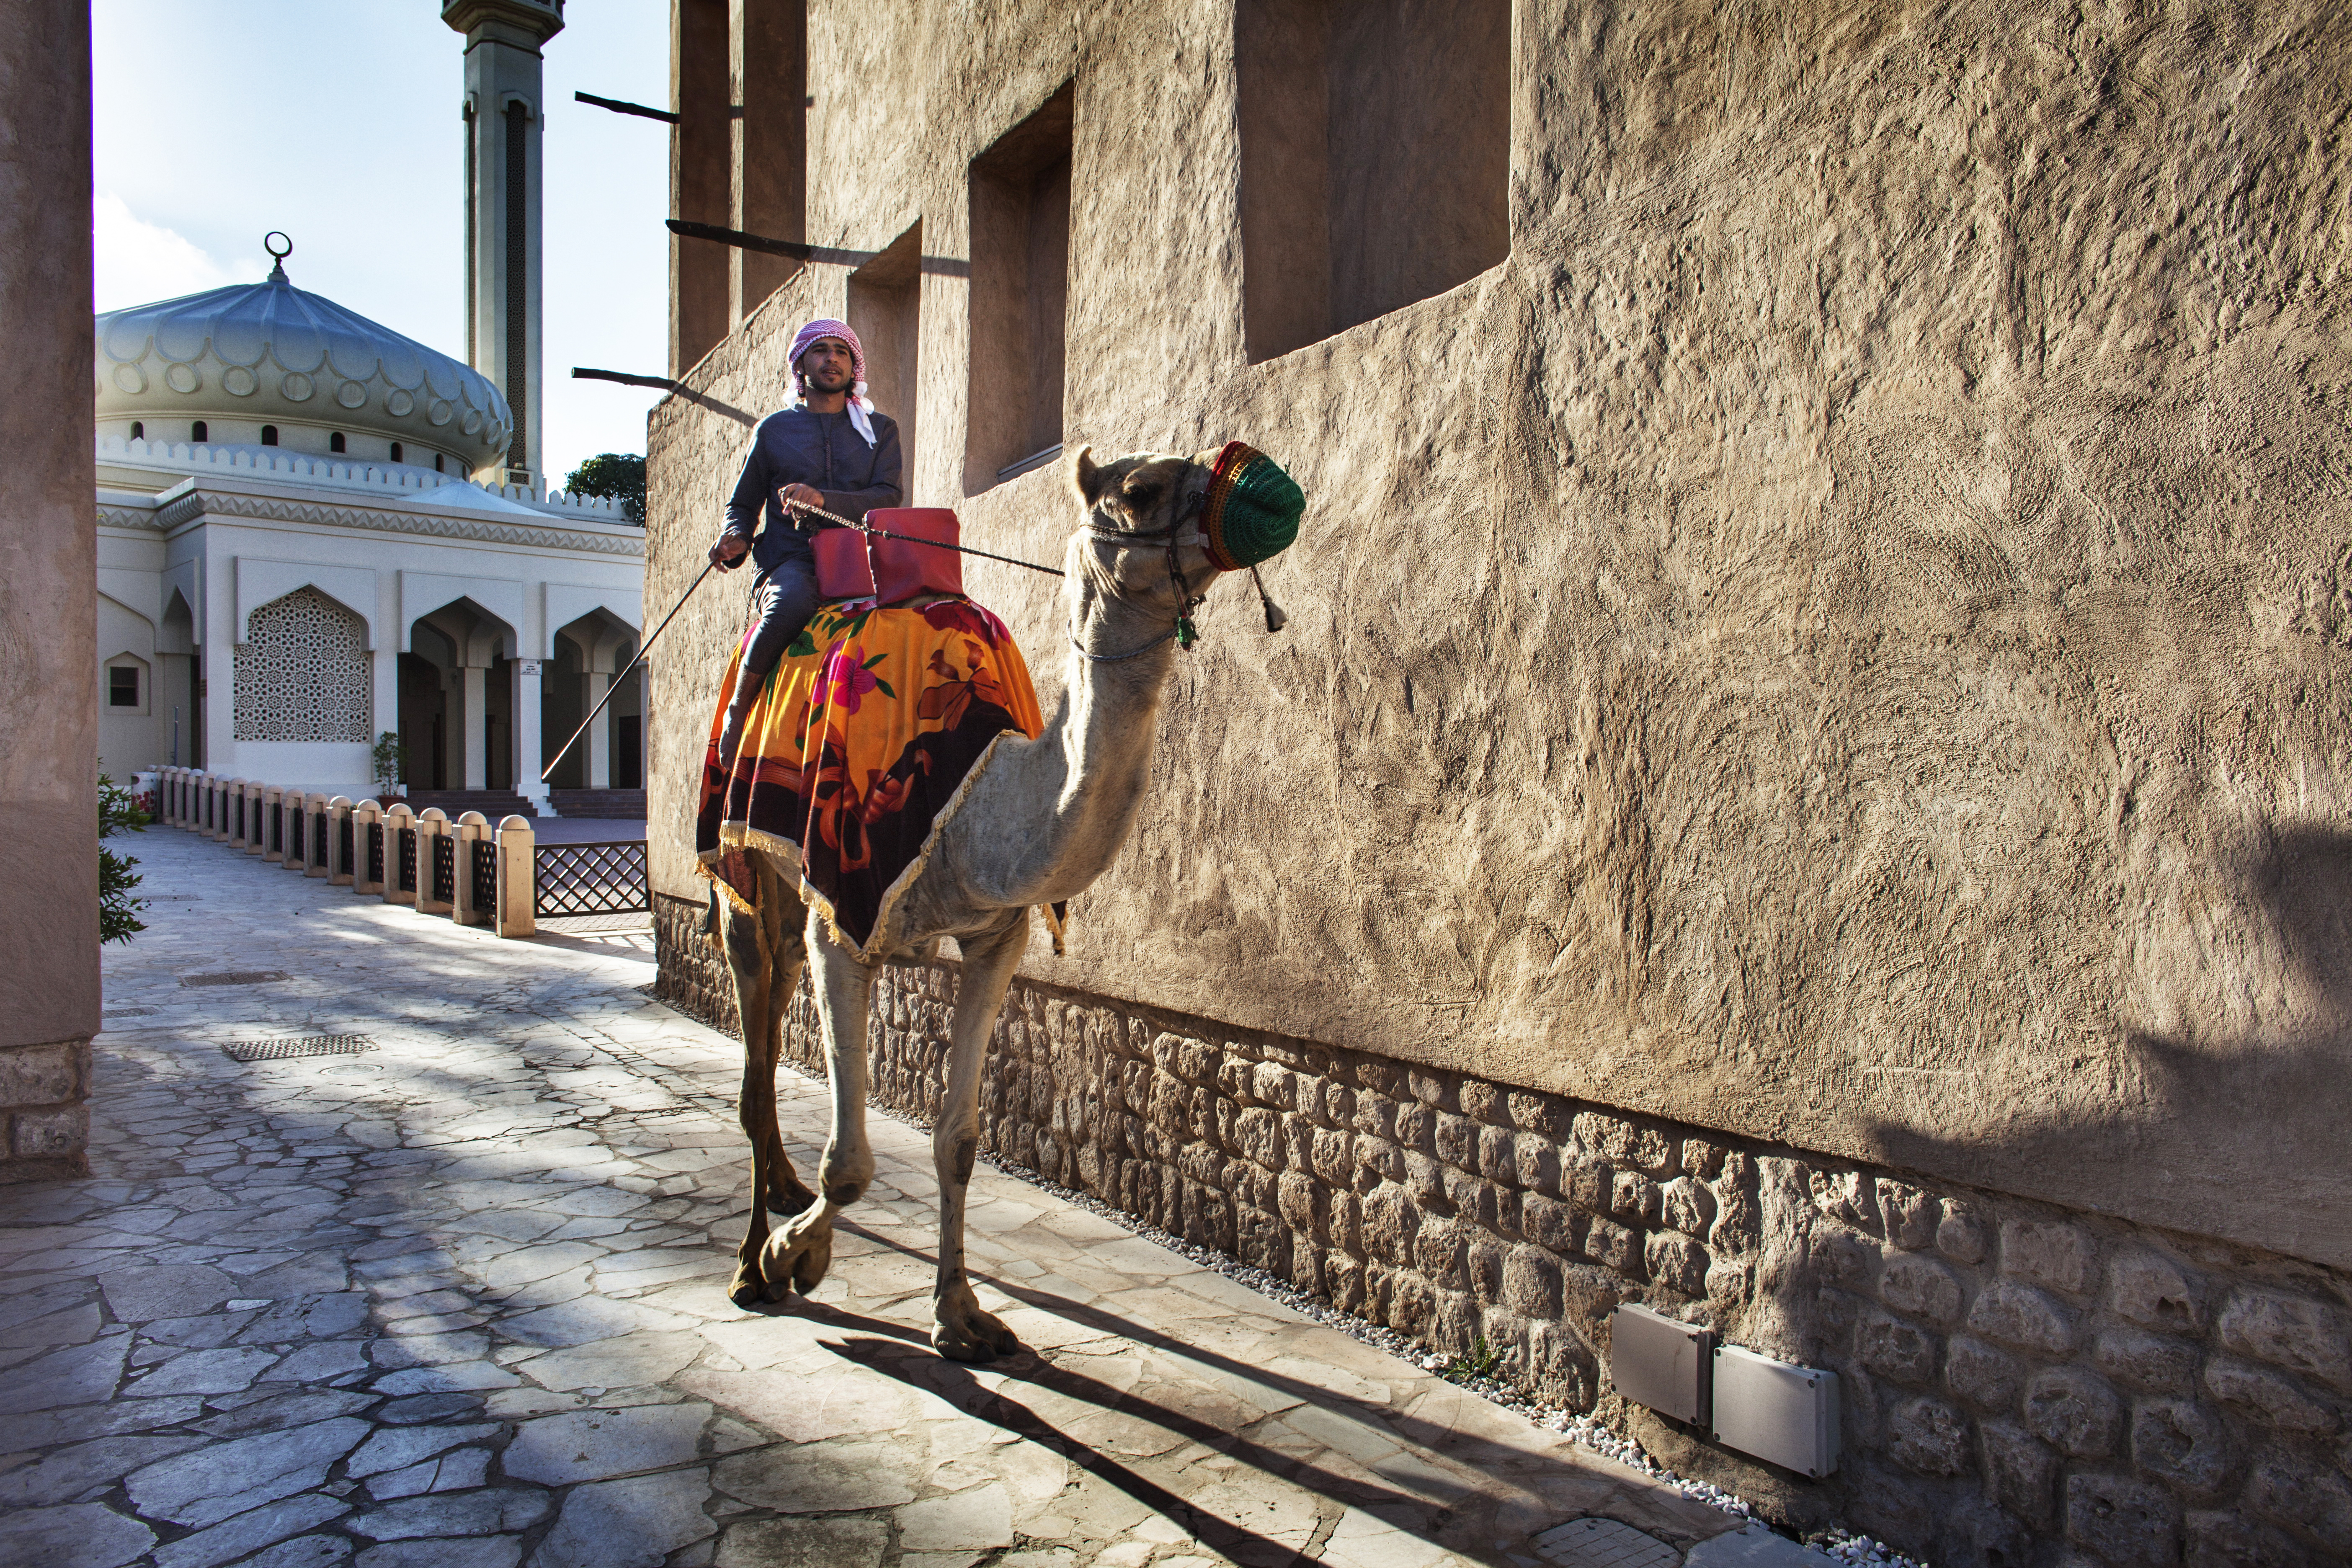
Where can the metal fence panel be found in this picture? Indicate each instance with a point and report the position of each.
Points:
(445, 869)
(408, 859)
(485, 873)
(591, 880)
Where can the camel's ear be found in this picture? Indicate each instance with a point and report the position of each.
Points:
(1087, 476)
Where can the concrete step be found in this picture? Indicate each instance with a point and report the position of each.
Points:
(609, 803)
(493, 804)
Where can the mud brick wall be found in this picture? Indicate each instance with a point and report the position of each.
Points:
(2021, 1384)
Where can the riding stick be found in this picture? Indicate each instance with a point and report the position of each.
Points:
(644, 649)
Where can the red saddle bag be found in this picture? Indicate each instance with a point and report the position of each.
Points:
(903, 568)
(843, 570)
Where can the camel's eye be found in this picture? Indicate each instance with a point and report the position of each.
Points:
(1142, 495)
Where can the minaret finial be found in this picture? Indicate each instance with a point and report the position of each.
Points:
(277, 272)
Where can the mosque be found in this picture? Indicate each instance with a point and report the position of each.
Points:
(314, 531)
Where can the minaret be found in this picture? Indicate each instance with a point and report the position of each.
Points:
(505, 107)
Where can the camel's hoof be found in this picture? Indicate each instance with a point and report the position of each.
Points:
(977, 1337)
(748, 1289)
(797, 1262)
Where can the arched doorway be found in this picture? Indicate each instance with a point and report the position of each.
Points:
(456, 702)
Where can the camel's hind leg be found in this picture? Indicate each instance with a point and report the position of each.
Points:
(764, 957)
(803, 1250)
(960, 1329)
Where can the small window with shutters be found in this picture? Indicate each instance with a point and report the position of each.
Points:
(122, 686)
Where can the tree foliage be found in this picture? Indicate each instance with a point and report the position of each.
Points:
(617, 474)
(118, 912)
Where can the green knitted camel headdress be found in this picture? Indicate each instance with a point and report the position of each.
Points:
(1251, 510)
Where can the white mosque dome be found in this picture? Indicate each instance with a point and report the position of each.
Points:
(271, 351)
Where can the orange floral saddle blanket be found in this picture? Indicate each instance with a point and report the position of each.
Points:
(859, 753)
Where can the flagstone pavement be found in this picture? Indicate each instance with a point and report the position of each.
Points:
(458, 1301)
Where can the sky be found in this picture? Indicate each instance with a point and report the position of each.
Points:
(337, 122)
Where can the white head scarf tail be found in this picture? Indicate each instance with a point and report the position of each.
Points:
(861, 407)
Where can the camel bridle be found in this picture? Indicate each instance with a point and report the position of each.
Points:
(1195, 496)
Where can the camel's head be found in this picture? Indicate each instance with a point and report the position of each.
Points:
(1160, 528)
(1135, 506)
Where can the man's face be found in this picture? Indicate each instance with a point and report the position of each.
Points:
(826, 365)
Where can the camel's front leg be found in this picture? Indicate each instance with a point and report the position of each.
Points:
(782, 916)
(803, 1250)
(961, 1330)
(747, 937)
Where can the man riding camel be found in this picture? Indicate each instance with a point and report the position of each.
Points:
(830, 449)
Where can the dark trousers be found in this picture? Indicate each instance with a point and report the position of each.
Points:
(786, 596)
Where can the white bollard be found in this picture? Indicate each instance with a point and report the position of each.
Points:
(399, 854)
(517, 877)
(369, 857)
(475, 844)
(339, 842)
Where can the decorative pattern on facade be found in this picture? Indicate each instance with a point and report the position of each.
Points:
(302, 673)
(187, 507)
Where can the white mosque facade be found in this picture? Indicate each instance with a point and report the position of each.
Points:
(293, 560)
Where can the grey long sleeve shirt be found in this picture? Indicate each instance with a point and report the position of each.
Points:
(822, 450)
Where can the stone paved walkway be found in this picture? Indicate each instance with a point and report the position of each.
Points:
(458, 1301)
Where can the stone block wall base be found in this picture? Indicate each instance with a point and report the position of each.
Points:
(55, 1169)
(691, 976)
(44, 1117)
(2021, 1384)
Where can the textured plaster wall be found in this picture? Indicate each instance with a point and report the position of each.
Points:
(1842, 638)
(48, 593)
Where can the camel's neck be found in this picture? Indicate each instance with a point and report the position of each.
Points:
(1063, 805)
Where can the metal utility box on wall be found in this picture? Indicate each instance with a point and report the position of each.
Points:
(1657, 1361)
(1784, 1415)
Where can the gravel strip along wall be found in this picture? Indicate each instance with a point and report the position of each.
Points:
(2017, 1379)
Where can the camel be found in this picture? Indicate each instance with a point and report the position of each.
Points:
(1039, 825)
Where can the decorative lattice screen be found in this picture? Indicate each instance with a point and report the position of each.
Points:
(302, 673)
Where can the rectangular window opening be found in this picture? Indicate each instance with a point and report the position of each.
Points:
(700, 150)
(768, 64)
(886, 312)
(1020, 294)
(123, 687)
(1375, 167)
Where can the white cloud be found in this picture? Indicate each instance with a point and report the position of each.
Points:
(140, 262)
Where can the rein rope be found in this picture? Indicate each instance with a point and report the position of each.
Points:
(1183, 632)
(910, 539)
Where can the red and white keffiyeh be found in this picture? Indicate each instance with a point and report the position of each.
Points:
(860, 406)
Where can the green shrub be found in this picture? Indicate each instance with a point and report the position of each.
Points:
(118, 912)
